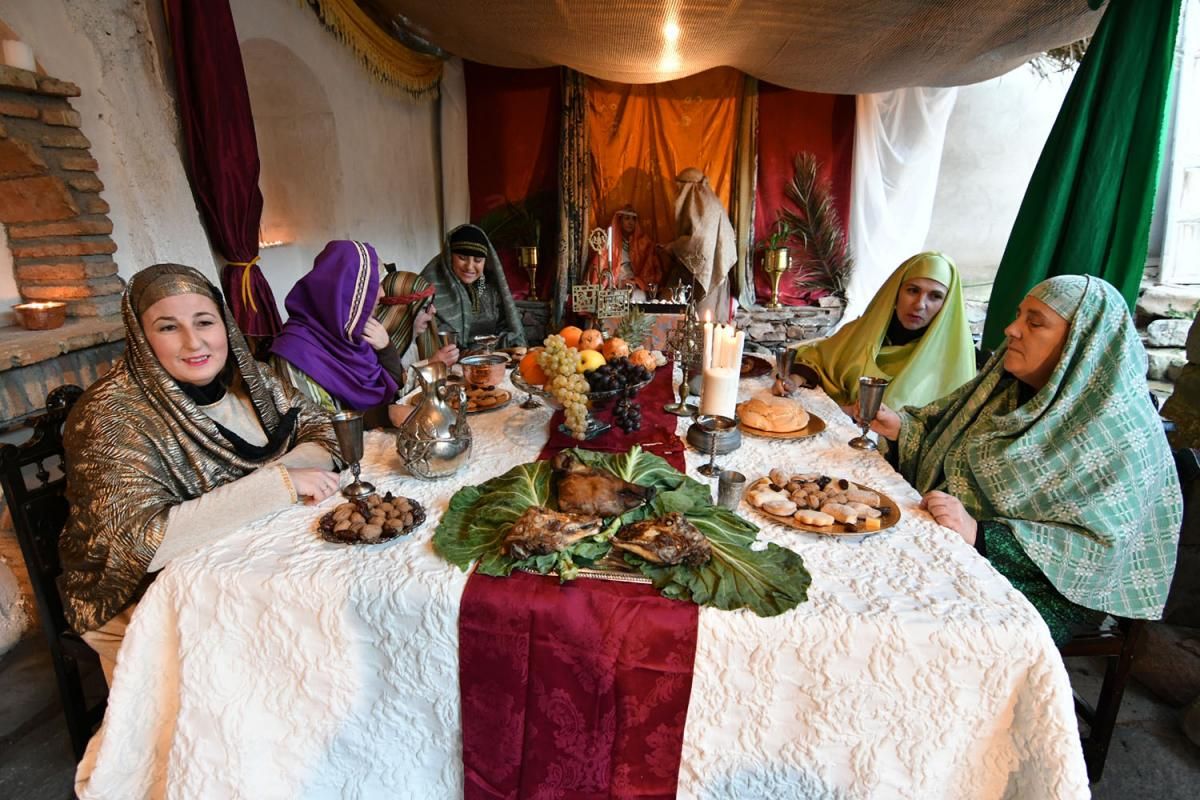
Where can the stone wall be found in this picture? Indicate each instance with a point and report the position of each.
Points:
(58, 225)
(768, 328)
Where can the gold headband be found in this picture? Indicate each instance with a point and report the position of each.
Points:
(166, 280)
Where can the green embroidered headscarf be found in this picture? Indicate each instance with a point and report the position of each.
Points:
(1080, 472)
(920, 371)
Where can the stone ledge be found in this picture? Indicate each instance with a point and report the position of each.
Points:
(21, 348)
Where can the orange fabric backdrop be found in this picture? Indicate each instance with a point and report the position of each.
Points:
(642, 135)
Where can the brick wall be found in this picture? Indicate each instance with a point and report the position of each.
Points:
(58, 225)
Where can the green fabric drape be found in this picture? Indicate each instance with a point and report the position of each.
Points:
(1088, 205)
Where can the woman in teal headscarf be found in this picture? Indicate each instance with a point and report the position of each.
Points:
(1053, 461)
(472, 294)
(914, 333)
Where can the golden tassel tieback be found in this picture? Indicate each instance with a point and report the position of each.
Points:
(247, 291)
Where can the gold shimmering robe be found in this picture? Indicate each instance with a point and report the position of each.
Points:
(136, 445)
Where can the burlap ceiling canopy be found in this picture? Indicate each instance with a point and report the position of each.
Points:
(842, 46)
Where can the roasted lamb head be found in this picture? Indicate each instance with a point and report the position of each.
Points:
(670, 539)
(539, 531)
(584, 490)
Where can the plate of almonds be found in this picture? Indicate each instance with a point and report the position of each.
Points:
(370, 520)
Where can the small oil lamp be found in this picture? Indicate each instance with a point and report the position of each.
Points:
(41, 316)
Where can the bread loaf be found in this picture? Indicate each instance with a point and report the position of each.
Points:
(774, 414)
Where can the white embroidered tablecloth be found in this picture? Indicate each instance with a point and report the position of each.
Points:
(272, 664)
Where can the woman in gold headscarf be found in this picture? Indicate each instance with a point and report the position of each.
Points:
(187, 439)
(914, 333)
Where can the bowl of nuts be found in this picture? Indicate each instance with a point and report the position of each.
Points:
(372, 519)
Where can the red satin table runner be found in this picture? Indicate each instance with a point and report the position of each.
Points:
(577, 690)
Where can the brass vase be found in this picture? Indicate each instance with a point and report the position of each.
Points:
(776, 264)
(528, 259)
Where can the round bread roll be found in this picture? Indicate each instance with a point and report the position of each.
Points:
(774, 414)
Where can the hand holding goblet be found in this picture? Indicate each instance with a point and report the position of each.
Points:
(870, 396)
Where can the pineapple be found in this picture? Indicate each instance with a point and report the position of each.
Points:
(635, 327)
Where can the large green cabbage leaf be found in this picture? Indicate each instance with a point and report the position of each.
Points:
(767, 582)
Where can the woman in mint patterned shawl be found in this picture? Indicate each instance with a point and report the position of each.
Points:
(1068, 488)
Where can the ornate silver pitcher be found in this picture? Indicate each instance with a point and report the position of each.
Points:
(435, 440)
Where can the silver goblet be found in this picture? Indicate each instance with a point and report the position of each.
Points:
(870, 395)
(713, 425)
(348, 427)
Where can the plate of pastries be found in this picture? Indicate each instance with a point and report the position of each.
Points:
(479, 399)
(810, 501)
(778, 418)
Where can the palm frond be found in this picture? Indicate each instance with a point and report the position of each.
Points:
(825, 262)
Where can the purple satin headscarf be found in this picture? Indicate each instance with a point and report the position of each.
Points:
(327, 310)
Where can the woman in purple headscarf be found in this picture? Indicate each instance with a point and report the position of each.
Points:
(331, 348)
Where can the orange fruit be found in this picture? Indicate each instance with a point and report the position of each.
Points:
(531, 371)
(615, 348)
(643, 358)
(591, 340)
(571, 335)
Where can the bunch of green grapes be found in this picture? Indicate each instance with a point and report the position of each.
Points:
(571, 391)
(557, 358)
(569, 388)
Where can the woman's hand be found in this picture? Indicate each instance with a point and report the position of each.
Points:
(375, 334)
(314, 485)
(949, 512)
(448, 355)
(886, 423)
(423, 318)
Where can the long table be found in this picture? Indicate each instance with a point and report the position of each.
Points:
(273, 664)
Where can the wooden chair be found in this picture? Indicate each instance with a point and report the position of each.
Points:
(1116, 641)
(39, 512)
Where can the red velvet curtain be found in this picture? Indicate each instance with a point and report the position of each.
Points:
(222, 153)
(791, 122)
(513, 121)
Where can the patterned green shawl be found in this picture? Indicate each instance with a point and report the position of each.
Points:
(1080, 472)
(456, 303)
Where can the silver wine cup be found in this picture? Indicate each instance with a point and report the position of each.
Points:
(348, 427)
(712, 425)
(870, 395)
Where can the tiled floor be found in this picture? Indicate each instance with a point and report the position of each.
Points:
(1149, 756)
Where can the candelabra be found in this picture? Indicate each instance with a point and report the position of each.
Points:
(686, 342)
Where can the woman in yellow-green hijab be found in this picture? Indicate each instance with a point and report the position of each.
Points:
(914, 333)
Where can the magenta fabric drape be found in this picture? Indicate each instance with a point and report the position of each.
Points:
(222, 153)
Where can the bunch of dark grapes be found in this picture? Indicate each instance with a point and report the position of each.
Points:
(627, 414)
(617, 375)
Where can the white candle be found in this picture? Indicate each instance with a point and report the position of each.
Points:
(706, 360)
(726, 347)
(740, 344)
(18, 54)
(718, 394)
(610, 261)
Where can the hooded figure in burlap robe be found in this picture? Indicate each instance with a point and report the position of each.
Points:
(706, 245)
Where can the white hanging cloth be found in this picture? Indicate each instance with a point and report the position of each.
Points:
(456, 194)
(898, 138)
